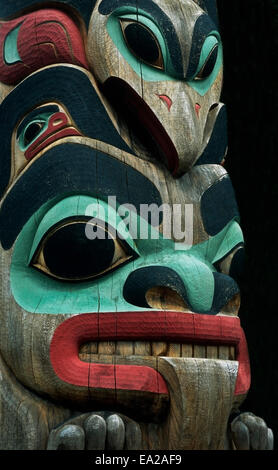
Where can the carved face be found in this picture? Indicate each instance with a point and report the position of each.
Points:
(109, 261)
(163, 72)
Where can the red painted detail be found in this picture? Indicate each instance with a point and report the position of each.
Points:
(64, 358)
(45, 37)
(141, 326)
(197, 108)
(58, 127)
(166, 100)
(244, 373)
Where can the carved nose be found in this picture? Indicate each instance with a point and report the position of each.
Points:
(162, 287)
(143, 280)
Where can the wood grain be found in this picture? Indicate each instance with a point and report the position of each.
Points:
(92, 378)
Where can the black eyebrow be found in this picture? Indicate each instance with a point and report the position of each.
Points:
(61, 84)
(33, 114)
(108, 6)
(59, 172)
(211, 7)
(203, 27)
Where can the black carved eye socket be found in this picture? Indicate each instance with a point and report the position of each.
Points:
(209, 64)
(32, 131)
(142, 42)
(66, 253)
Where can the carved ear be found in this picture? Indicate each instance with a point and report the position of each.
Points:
(211, 7)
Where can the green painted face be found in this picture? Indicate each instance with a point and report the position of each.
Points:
(142, 246)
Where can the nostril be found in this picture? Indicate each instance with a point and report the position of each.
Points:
(226, 293)
(164, 298)
(213, 106)
(211, 121)
(157, 281)
(232, 306)
(214, 136)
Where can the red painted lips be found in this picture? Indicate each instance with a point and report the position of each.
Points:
(142, 326)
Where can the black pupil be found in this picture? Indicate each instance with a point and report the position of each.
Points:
(31, 132)
(210, 63)
(142, 42)
(69, 254)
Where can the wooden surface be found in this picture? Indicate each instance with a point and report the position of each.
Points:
(148, 353)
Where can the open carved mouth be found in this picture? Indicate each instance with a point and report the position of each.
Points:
(111, 350)
(145, 126)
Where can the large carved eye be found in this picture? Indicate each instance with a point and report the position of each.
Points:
(66, 253)
(142, 42)
(208, 58)
(33, 125)
(32, 131)
(209, 64)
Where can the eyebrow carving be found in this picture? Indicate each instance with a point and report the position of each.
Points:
(203, 27)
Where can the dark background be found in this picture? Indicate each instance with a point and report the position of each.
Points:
(250, 36)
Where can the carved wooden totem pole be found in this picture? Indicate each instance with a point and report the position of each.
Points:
(120, 237)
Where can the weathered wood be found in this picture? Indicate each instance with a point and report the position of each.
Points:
(142, 348)
(68, 437)
(164, 298)
(111, 122)
(25, 418)
(95, 430)
(133, 436)
(115, 433)
(201, 398)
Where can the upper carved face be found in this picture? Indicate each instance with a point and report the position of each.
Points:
(116, 235)
(163, 73)
(161, 70)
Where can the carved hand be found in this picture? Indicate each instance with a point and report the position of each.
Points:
(251, 433)
(96, 431)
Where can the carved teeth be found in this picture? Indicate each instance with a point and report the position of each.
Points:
(159, 349)
(105, 347)
(90, 352)
(142, 348)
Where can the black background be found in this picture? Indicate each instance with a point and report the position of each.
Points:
(250, 36)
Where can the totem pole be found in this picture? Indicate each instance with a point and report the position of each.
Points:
(120, 238)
